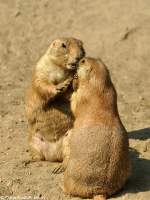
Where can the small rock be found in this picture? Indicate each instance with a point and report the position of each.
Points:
(9, 137)
(26, 162)
(141, 98)
(21, 120)
(10, 129)
(28, 190)
(18, 180)
(9, 183)
(17, 14)
(21, 79)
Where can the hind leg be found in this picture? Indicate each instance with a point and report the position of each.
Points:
(37, 147)
(36, 155)
(44, 150)
(66, 153)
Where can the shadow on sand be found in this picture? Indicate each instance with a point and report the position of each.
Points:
(140, 177)
(142, 134)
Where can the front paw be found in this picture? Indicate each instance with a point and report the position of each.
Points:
(62, 87)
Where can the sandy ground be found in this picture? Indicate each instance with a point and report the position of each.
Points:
(117, 31)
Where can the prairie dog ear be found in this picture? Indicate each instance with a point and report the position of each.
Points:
(80, 42)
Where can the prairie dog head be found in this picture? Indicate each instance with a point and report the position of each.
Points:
(94, 87)
(93, 72)
(66, 52)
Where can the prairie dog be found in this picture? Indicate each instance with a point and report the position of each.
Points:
(99, 162)
(47, 99)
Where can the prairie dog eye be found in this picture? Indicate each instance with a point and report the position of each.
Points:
(83, 61)
(63, 45)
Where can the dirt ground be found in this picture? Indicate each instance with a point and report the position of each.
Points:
(118, 32)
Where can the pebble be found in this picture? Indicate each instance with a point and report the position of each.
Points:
(21, 120)
(9, 137)
(26, 162)
(17, 14)
(9, 183)
(10, 129)
(28, 190)
(141, 98)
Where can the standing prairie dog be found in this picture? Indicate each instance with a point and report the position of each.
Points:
(47, 99)
(99, 162)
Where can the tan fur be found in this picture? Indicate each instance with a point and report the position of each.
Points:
(100, 197)
(99, 162)
(47, 99)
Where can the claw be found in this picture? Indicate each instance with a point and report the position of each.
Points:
(58, 170)
(63, 87)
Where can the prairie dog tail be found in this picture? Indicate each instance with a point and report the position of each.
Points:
(99, 197)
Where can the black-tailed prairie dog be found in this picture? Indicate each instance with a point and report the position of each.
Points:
(99, 162)
(47, 99)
